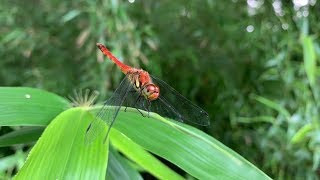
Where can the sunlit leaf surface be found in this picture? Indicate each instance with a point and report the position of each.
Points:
(28, 106)
(136, 153)
(61, 152)
(189, 148)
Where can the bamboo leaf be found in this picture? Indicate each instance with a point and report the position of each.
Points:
(28, 106)
(142, 157)
(119, 168)
(61, 152)
(23, 135)
(192, 150)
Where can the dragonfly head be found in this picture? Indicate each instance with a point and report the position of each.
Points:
(151, 92)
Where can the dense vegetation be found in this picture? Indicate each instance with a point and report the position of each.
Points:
(251, 65)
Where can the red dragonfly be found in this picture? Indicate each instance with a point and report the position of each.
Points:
(148, 93)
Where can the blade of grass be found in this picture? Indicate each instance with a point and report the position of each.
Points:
(273, 105)
(309, 57)
(302, 133)
(267, 119)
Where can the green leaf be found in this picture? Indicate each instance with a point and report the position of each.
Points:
(29, 107)
(141, 157)
(120, 168)
(316, 159)
(13, 35)
(302, 133)
(70, 15)
(305, 27)
(267, 119)
(273, 105)
(309, 57)
(23, 135)
(189, 148)
(61, 152)
(12, 161)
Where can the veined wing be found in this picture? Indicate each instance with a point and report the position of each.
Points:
(108, 113)
(173, 105)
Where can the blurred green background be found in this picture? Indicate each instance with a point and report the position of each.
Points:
(252, 65)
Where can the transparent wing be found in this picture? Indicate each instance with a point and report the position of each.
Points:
(173, 105)
(108, 113)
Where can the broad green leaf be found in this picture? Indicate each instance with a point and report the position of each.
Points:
(120, 168)
(23, 135)
(29, 107)
(61, 152)
(141, 157)
(273, 105)
(189, 148)
(309, 57)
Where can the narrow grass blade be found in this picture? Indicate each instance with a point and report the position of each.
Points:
(302, 133)
(256, 119)
(273, 105)
(309, 57)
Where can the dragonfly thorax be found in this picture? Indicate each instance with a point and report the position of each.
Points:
(142, 83)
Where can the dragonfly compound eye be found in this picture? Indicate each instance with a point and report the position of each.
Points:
(152, 92)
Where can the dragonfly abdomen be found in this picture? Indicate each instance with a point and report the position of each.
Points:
(124, 68)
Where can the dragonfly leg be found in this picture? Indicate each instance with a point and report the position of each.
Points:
(149, 108)
(141, 113)
(89, 127)
(137, 100)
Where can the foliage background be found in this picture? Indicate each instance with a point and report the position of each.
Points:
(252, 65)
